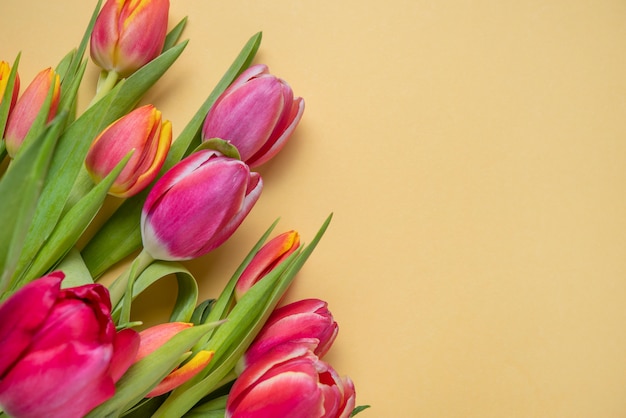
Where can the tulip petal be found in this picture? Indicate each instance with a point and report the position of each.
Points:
(22, 315)
(72, 371)
(125, 346)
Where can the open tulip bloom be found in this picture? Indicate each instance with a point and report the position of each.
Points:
(69, 346)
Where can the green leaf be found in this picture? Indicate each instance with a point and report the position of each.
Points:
(174, 35)
(187, 288)
(215, 408)
(358, 409)
(5, 106)
(144, 375)
(21, 187)
(121, 234)
(71, 226)
(75, 142)
(76, 272)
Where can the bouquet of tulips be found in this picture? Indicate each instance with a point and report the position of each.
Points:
(68, 346)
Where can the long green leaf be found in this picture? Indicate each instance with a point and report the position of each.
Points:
(71, 226)
(26, 175)
(5, 106)
(121, 234)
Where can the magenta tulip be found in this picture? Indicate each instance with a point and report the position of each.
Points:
(290, 382)
(266, 259)
(28, 106)
(143, 131)
(128, 34)
(197, 205)
(61, 353)
(257, 114)
(307, 321)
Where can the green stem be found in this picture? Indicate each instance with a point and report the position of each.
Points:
(121, 290)
(105, 85)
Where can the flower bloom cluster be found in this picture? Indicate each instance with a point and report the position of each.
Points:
(68, 346)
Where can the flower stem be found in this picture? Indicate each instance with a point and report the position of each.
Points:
(105, 85)
(121, 290)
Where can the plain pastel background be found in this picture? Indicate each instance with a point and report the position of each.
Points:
(474, 156)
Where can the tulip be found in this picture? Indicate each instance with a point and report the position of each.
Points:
(128, 34)
(266, 259)
(307, 321)
(153, 338)
(142, 131)
(28, 106)
(290, 382)
(257, 113)
(61, 352)
(197, 205)
(5, 71)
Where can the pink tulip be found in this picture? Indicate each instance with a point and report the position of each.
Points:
(257, 114)
(153, 338)
(308, 322)
(143, 131)
(5, 71)
(269, 256)
(197, 205)
(28, 105)
(128, 34)
(290, 382)
(61, 354)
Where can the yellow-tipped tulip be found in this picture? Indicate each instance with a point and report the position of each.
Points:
(143, 131)
(128, 34)
(5, 71)
(27, 107)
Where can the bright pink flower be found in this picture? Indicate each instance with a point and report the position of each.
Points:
(308, 322)
(61, 354)
(257, 114)
(143, 131)
(264, 261)
(290, 382)
(28, 105)
(197, 205)
(128, 34)
(153, 338)
(5, 71)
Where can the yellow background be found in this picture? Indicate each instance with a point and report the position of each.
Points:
(473, 154)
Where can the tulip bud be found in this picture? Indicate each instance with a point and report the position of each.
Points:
(27, 107)
(128, 34)
(307, 321)
(61, 354)
(257, 113)
(142, 131)
(153, 338)
(266, 259)
(5, 71)
(290, 381)
(197, 205)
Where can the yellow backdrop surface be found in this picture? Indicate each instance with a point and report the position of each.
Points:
(474, 156)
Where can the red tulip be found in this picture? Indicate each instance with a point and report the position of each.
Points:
(290, 382)
(307, 321)
(28, 105)
(61, 353)
(153, 338)
(264, 261)
(128, 34)
(257, 114)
